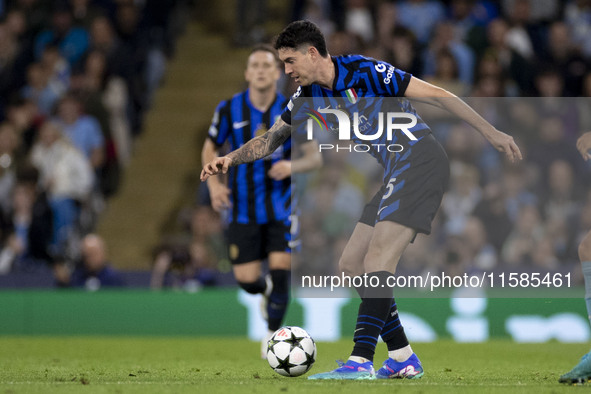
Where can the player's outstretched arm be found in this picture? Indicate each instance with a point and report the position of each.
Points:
(442, 98)
(584, 145)
(255, 149)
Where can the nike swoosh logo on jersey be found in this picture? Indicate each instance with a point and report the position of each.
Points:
(239, 125)
(381, 209)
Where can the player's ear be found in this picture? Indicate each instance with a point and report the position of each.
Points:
(313, 52)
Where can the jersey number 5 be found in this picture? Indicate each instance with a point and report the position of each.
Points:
(389, 188)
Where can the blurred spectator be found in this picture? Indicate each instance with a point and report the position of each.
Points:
(39, 90)
(482, 253)
(402, 50)
(250, 22)
(105, 98)
(559, 202)
(470, 16)
(577, 15)
(316, 11)
(83, 131)
(66, 175)
(359, 20)
(519, 35)
(521, 243)
(543, 256)
(343, 43)
(488, 86)
(492, 212)
(552, 145)
(420, 16)
(549, 82)
(444, 39)
(84, 12)
(446, 74)
(514, 65)
(561, 53)
(135, 45)
(9, 143)
(462, 198)
(385, 22)
(189, 260)
(72, 41)
(10, 61)
(57, 69)
(28, 227)
(94, 271)
(25, 117)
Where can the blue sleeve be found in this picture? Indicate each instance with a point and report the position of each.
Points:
(220, 124)
(390, 80)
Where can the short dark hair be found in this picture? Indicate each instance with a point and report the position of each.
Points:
(302, 32)
(266, 48)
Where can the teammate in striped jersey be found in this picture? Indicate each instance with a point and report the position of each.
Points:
(258, 195)
(414, 182)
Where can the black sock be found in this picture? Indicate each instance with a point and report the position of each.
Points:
(278, 299)
(372, 315)
(393, 332)
(256, 287)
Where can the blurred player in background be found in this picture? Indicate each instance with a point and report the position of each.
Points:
(581, 373)
(258, 195)
(414, 183)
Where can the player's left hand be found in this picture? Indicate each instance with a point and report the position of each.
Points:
(280, 170)
(216, 166)
(506, 144)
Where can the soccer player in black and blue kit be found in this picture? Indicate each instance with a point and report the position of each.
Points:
(258, 195)
(414, 183)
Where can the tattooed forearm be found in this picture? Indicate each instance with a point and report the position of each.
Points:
(261, 146)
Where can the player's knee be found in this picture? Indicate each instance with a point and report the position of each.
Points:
(250, 287)
(349, 266)
(585, 248)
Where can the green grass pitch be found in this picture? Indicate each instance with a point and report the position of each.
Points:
(222, 365)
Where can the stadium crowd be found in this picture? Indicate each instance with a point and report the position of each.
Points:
(76, 78)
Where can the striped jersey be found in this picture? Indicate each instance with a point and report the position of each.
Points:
(357, 81)
(256, 198)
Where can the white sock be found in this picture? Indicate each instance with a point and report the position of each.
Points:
(400, 355)
(358, 359)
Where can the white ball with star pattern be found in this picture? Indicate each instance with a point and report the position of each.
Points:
(291, 351)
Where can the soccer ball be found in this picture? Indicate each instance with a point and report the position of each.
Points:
(291, 351)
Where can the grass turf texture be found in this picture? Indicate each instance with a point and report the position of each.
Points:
(214, 365)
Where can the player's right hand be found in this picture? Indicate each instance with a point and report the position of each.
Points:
(584, 145)
(216, 166)
(220, 196)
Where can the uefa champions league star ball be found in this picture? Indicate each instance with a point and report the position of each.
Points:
(291, 351)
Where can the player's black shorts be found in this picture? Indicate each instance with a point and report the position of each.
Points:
(250, 242)
(413, 189)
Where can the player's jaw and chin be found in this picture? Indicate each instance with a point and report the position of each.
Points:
(300, 55)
